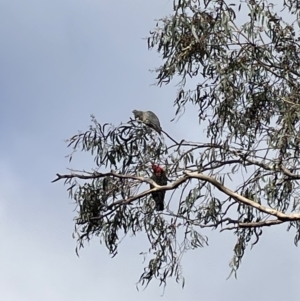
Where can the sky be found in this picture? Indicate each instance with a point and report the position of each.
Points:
(60, 62)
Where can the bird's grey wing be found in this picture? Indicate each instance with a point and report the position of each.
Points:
(152, 120)
(152, 116)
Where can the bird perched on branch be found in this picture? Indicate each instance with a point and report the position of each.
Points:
(149, 118)
(160, 178)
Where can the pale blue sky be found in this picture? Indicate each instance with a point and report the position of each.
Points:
(61, 61)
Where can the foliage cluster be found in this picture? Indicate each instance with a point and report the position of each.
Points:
(245, 58)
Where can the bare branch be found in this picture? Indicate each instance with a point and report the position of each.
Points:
(187, 175)
(240, 198)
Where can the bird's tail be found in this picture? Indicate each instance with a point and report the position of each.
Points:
(160, 206)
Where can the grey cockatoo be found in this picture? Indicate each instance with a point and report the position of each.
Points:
(149, 118)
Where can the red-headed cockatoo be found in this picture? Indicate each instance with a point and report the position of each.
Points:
(160, 178)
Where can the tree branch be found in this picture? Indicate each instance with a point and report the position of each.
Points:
(187, 175)
(280, 215)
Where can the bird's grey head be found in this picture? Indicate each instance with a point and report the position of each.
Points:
(137, 113)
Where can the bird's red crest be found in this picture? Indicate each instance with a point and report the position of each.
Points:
(157, 169)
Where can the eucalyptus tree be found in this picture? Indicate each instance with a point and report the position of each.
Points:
(245, 59)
